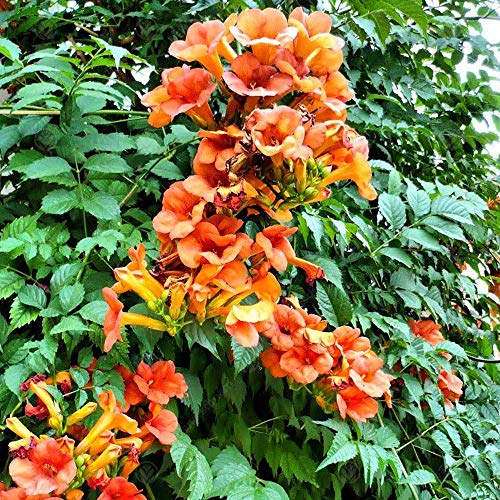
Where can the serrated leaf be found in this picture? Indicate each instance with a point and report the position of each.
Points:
(386, 438)
(393, 210)
(108, 164)
(21, 315)
(464, 480)
(230, 469)
(342, 449)
(14, 376)
(71, 296)
(450, 208)
(413, 386)
(397, 254)
(102, 205)
(370, 461)
(114, 142)
(423, 238)
(244, 356)
(94, 311)
(332, 272)
(64, 275)
(167, 170)
(70, 324)
(59, 201)
(32, 295)
(194, 394)
(444, 227)
(419, 476)
(9, 244)
(10, 282)
(47, 168)
(419, 201)
(452, 348)
(334, 304)
(9, 49)
(190, 464)
(205, 335)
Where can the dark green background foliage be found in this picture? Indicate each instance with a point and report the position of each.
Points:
(82, 175)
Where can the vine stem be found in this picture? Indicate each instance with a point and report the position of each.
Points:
(423, 433)
(403, 468)
(57, 112)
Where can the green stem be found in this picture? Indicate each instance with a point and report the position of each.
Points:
(137, 183)
(150, 491)
(423, 433)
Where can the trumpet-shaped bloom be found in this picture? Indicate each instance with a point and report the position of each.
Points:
(367, 376)
(451, 386)
(359, 171)
(428, 330)
(159, 382)
(46, 468)
(183, 90)
(116, 318)
(357, 404)
(296, 67)
(201, 43)
(305, 364)
(264, 30)
(214, 241)
(251, 78)
(281, 132)
(270, 359)
(180, 212)
(119, 487)
(162, 424)
(215, 151)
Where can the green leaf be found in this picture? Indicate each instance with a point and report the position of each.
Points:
(386, 438)
(450, 208)
(32, 295)
(194, 395)
(9, 49)
(464, 480)
(71, 296)
(94, 311)
(64, 275)
(332, 272)
(205, 335)
(70, 324)
(231, 469)
(21, 315)
(452, 348)
(48, 167)
(9, 244)
(421, 237)
(114, 142)
(413, 386)
(397, 254)
(102, 205)
(59, 201)
(370, 461)
(444, 227)
(108, 164)
(334, 304)
(167, 170)
(14, 376)
(244, 356)
(192, 466)
(419, 476)
(419, 201)
(393, 210)
(10, 282)
(342, 449)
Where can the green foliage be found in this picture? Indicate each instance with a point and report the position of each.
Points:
(82, 176)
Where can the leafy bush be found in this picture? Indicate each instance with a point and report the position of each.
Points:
(82, 178)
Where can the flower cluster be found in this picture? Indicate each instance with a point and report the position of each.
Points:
(448, 383)
(68, 453)
(261, 157)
